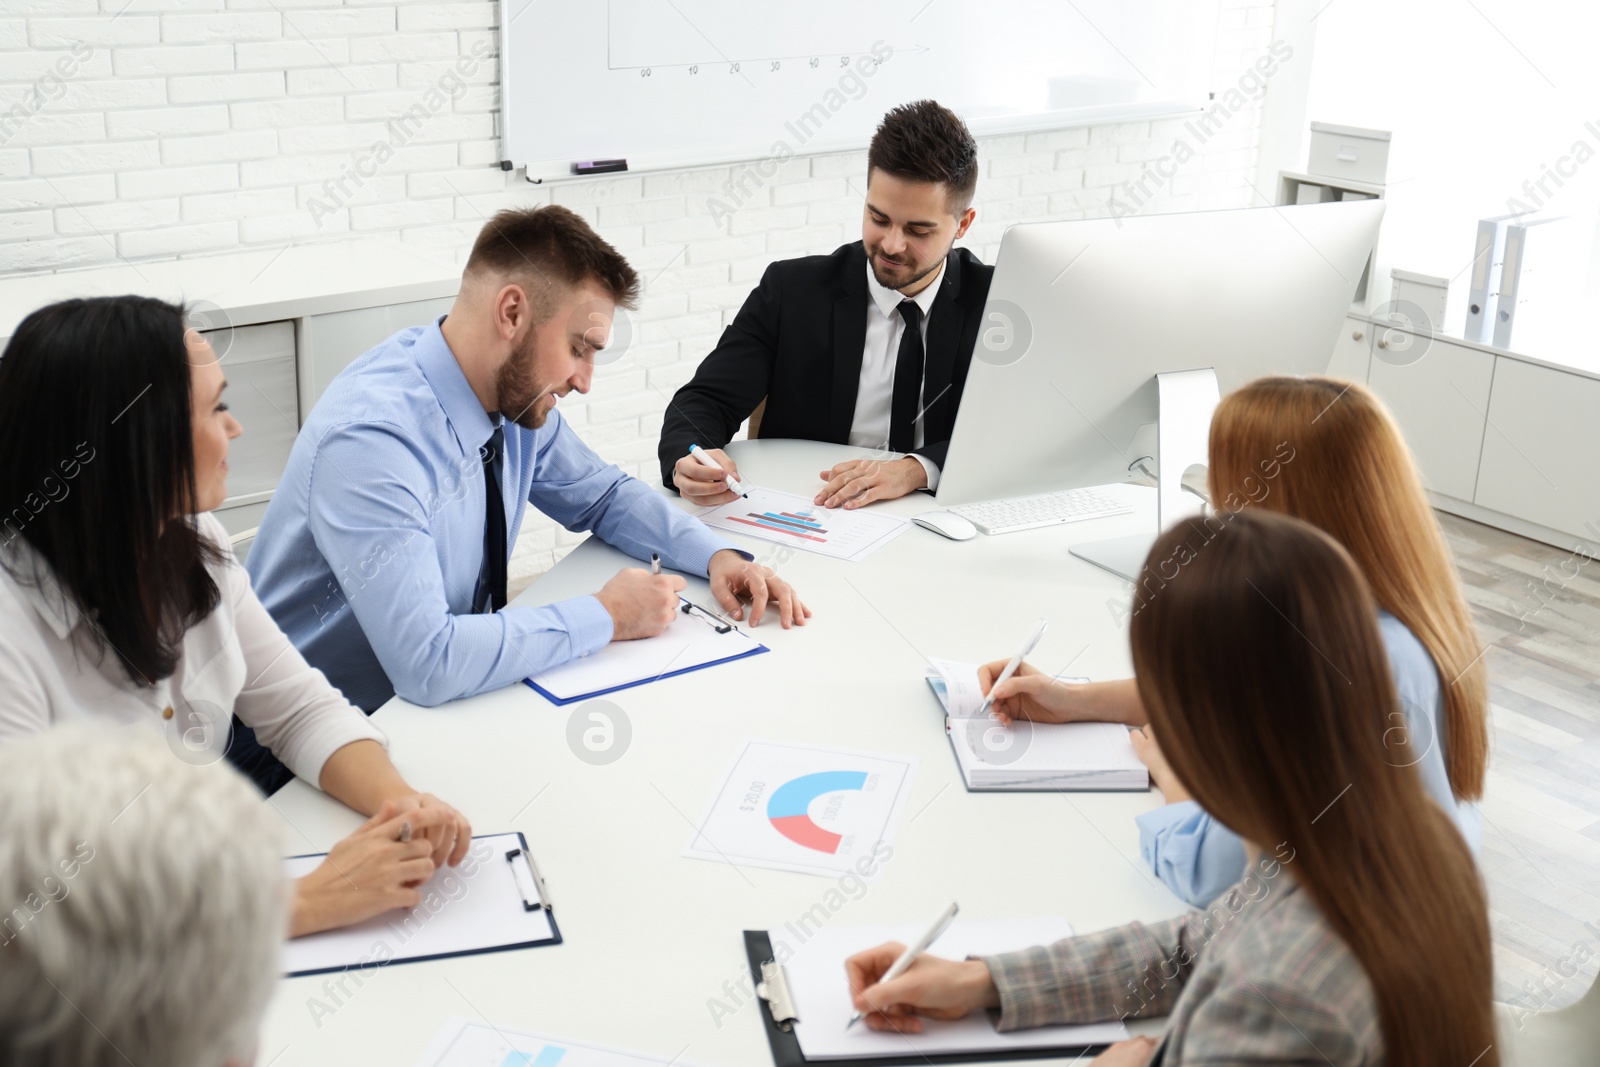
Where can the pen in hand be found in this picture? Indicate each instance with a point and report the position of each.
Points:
(655, 563)
(923, 943)
(734, 484)
(1011, 666)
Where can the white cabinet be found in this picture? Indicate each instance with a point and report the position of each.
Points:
(330, 343)
(1439, 393)
(1352, 351)
(259, 363)
(1541, 454)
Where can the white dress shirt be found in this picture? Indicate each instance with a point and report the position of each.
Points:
(875, 394)
(235, 660)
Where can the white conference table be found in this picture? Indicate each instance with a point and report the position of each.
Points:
(652, 938)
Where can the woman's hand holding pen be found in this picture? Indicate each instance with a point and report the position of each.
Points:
(379, 867)
(449, 835)
(1028, 694)
(932, 986)
(1034, 695)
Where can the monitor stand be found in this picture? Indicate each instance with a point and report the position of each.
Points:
(1184, 403)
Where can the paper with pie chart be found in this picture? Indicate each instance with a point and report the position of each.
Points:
(793, 520)
(801, 808)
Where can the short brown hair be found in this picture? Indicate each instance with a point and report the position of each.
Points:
(925, 142)
(555, 243)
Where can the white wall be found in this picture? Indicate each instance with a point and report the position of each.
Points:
(1493, 109)
(187, 127)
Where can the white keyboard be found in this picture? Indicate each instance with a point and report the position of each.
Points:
(1033, 512)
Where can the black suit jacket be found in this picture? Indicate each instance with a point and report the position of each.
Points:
(798, 341)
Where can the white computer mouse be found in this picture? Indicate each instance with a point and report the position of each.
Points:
(946, 524)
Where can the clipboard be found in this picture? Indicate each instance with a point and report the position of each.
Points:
(778, 1018)
(626, 664)
(508, 881)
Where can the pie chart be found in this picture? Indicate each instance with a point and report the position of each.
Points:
(789, 807)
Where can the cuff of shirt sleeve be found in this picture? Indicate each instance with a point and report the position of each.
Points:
(1023, 980)
(930, 468)
(1166, 817)
(587, 622)
(331, 737)
(697, 557)
(1161, 830)
(1175, 840)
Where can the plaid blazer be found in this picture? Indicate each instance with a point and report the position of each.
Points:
(1258, 978)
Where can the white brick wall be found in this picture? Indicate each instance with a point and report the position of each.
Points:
(188, 127)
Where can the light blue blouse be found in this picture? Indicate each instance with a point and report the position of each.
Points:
(1197, 857)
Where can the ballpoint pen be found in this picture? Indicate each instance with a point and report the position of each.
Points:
(734, 484)
(940, 925)
(655, 563)
(1012, 665)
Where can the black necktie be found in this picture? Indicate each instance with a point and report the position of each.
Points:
(492, 575)
(907, 381)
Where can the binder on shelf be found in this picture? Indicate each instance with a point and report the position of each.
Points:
(1483, 290)
(779, 1014)
(1541, 284)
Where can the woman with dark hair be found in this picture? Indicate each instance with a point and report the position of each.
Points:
(1361, 938)
(121, 600)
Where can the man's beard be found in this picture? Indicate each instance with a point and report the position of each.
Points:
(872, 261)
(518, 394)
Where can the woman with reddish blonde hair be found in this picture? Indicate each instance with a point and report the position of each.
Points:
(1360, 935)
(1327, 452)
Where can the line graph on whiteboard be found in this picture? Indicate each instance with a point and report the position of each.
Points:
(719, 37)
(677, 83)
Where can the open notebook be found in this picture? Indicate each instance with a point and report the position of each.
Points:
(1026, 755)
(816, 977)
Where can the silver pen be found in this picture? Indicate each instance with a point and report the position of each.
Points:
(1012, 665)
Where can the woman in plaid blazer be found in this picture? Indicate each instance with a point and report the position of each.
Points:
(1359, 934)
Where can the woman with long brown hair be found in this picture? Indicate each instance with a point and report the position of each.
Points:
(1365, 941)
(121, 602)
(1327, 452)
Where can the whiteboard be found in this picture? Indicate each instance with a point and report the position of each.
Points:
(676, 83)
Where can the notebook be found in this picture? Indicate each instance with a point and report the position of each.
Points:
(1078, 756)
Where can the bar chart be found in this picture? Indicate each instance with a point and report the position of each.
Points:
(794, 520)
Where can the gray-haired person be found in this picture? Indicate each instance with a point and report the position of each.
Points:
(147, 904)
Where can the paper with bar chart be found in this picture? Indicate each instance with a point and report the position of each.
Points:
(471, 1043)
(798, 808)
(793, 520)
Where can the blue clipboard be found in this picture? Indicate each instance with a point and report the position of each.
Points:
(563, 701)
(688, 608)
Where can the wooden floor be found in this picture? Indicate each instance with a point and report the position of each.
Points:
(1539, 610)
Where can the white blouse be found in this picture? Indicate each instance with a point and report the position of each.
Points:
(234, 661)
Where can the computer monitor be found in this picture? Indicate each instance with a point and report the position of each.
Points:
(1083, 315)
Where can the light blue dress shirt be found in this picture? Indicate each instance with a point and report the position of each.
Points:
(370, 552)
(1198, 858)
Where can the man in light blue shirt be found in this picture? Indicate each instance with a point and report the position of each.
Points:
(383, 557)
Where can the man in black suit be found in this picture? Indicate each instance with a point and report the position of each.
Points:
(867, 346)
